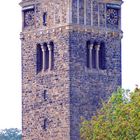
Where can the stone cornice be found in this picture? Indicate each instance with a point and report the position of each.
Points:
(119, 2)
(28, 2)
(77, 28)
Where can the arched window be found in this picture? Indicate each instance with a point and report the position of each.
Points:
(45, 125)
(96, 58)
(91, 55)
(51, 55)
(39, 58)
(45, 18)
(46, 57)
(45, 95)
(102, 56)
(88, 54)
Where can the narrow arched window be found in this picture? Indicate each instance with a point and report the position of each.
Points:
(94, 57)
(88, 54)
(46, 57)
(45, 125)
(91, 55)
(45, 18)
(102, 56)
(39, 58)
(45, 95)
(51, 54)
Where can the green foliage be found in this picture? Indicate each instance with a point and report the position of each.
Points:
(118, 119)
(10, 134)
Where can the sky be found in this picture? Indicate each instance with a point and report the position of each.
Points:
(10, 57)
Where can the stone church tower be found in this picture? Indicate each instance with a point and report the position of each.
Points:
(71, 58)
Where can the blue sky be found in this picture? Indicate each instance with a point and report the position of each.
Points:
(10, 57)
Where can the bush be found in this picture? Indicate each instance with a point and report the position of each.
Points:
(10, 134)
(118, 119)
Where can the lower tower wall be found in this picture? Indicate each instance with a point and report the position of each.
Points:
(89, 86)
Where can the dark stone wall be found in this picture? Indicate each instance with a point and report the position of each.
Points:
(89, 86)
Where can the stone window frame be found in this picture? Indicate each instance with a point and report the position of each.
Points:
(44, 56)
(96, 55)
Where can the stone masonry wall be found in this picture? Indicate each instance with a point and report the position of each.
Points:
(55, 82)
(88, 86)
(73, 90)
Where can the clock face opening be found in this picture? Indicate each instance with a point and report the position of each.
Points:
(112, 17)
(29, 17)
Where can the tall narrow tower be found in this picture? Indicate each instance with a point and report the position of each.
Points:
(71, 58)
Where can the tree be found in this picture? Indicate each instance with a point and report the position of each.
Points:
(118, 119)
(10, 134)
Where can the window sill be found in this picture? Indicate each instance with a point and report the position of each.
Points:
(95, 71)
(48, 71)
